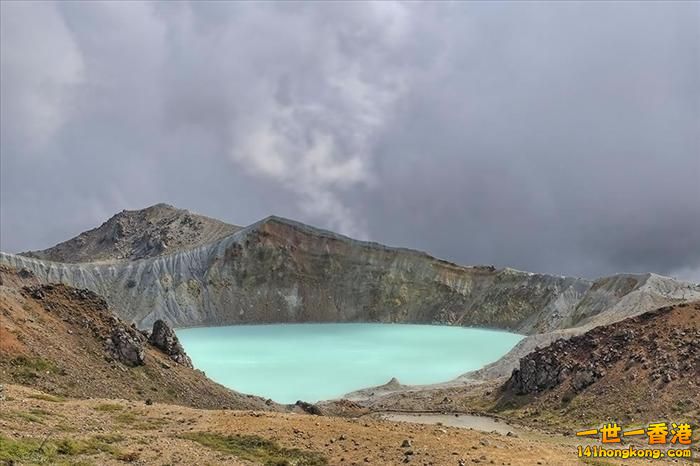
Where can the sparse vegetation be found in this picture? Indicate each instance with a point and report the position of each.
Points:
(91, 446)
(257, 449)
(22, 450)
(47, 397)
(38, 451)
(27, 369)
(137, 422)
(108, 407)
(66, 427)
(30, 417)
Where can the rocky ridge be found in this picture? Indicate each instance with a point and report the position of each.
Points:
(138, 234)
(278, 270)
(668, 352)
(640, 368)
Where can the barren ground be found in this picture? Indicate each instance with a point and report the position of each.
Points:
(102, 431)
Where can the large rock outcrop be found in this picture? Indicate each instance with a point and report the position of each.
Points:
(164, 338)
(126, 347)
(652, 341)
(642, 369)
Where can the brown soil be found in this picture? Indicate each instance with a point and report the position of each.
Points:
(56, 343)
(107, 432)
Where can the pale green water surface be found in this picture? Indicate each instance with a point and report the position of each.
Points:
(313, 362)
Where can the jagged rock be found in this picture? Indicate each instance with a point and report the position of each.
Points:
(534, 375)
(85, 294)
(164, 338)
(126, 346)
(650, 348)
(309, 408)
(583, 379)
(139, 234)
(538, 373)
(36, 292)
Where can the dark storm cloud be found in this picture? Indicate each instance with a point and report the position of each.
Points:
(554, 137)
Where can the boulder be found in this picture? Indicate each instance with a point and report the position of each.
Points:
(309, 408)
(583, 379)
(24, 273)
(126, 346)
(164, 338)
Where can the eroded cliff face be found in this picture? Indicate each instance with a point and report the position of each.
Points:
(278, 270)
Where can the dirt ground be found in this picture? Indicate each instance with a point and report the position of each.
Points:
(107, 431)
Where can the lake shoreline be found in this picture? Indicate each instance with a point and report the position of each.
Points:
(319, 362)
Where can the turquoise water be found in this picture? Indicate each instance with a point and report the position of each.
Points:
(313, 362)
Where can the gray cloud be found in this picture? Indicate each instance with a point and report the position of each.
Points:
(554, 137)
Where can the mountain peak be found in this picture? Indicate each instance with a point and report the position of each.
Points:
(137, 234)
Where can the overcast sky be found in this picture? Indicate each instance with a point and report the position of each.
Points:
(553, 137)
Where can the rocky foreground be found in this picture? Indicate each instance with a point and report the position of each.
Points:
(36, 428)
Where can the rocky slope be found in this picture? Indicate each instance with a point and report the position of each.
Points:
(665, 343)
(642, 369)
(67, 342)
(138, 234)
